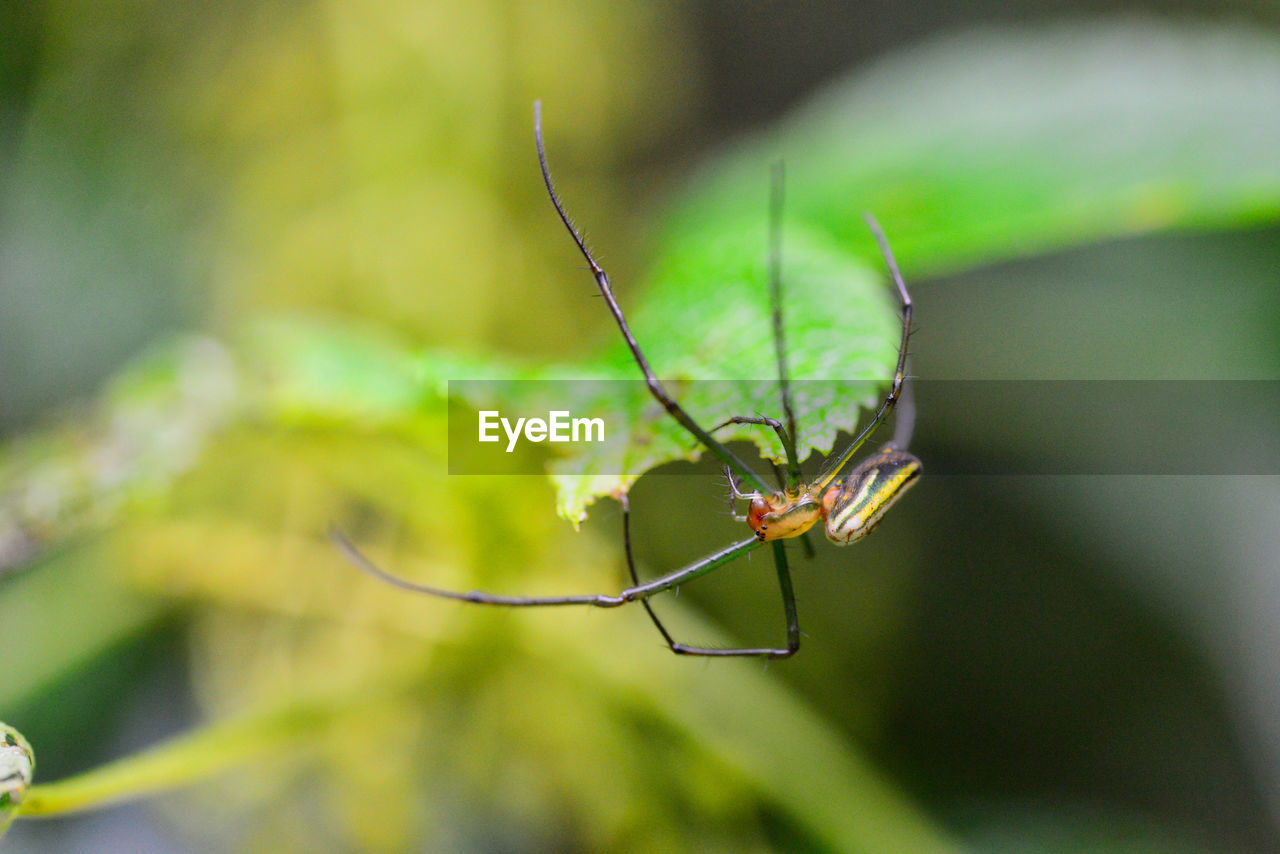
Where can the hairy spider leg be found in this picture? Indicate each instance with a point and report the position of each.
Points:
(606, 290)
(899, 376)
(686, 421)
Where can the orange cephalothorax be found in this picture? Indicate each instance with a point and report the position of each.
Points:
(782, 515)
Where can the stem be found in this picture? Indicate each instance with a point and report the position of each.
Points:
(182, 761)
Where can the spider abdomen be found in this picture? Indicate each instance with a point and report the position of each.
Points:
(855, 506)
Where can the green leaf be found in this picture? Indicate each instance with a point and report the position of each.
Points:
(1071, 137)
(705, 324)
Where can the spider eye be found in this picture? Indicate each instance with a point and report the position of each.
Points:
(855, 506)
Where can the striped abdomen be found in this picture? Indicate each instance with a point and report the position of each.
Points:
(854, 506)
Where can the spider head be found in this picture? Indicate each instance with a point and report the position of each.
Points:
(782, 515)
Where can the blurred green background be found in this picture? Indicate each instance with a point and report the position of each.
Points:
(239, 241)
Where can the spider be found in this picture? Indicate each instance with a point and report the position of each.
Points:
(849, 507)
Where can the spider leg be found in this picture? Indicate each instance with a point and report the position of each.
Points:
(736, 494)
(776, 187)
(905, 416)
(788, 445)
(788, 602)
(631, 570)
(697, 569)
(606, 290)
(900, 373)
(787, 435)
